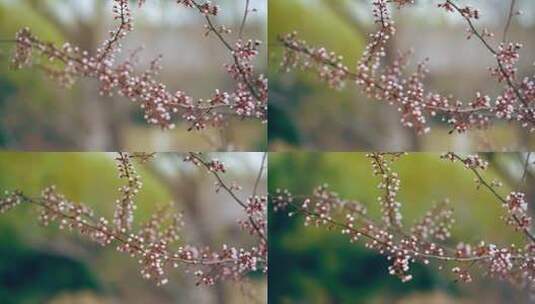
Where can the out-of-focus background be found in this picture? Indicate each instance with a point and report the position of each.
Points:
(48, 265)
(317, 266)
(304, 112)
(36, 114)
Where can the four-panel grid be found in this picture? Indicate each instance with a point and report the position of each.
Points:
(267, 151)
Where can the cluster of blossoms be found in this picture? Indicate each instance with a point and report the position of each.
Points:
(390, 185)
(156, 243)
(470, 161)
(10, 200)
(124, 213)
(390, 83)
(161, 107)
(428, 239)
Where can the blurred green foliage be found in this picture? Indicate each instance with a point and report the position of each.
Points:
(319, 24)
(37, 102)
(28, 275)
(309, 265)
(16, 15)
(316, 23)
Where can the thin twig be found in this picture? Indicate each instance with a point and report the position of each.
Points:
(509, 19)
(260, 172)
(229, 190)
(244, 20)
(493, 191)
(525, 172)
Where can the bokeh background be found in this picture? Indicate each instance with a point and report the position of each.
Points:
(39, 115)
(304, 112)
(317, 266)
(48, 265)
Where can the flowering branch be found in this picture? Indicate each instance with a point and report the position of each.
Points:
(254, 207)
(161, 107)
(390, 185)
(427, 239)
(388, 82)
(514, 202)
(124, 211)
(156, 242)
(506, 55)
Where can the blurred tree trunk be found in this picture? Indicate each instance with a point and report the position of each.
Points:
(185, 189)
